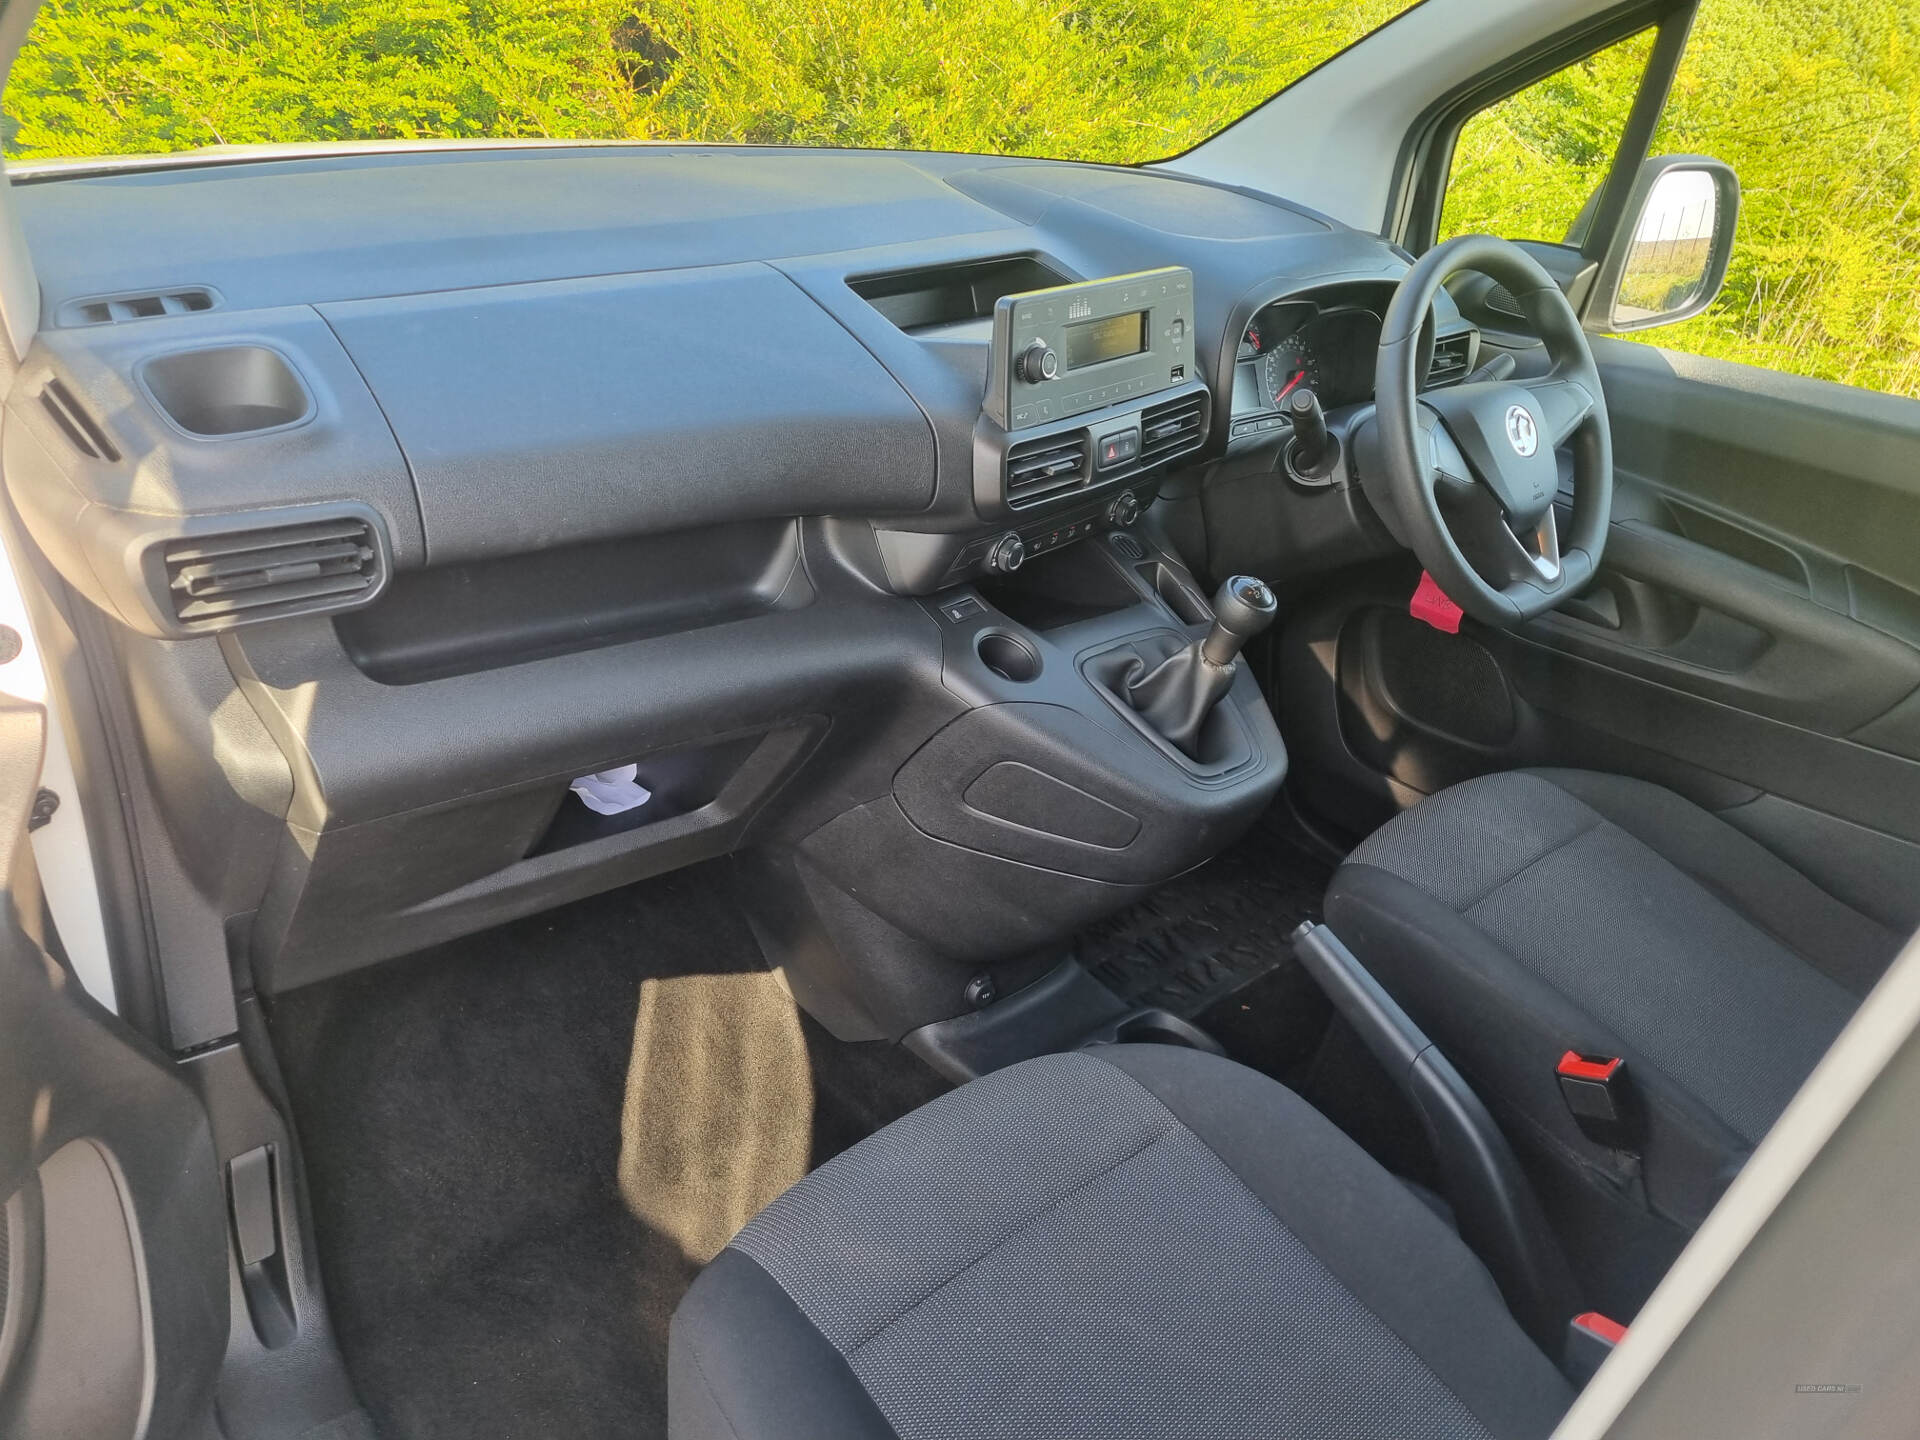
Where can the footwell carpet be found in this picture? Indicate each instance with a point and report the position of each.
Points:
(521, 1147)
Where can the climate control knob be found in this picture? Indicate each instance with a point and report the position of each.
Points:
(1038, 362)
(1124, 510)
(1008, 554)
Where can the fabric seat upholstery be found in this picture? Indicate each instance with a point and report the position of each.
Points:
(1523, 914)
(1143, 1241)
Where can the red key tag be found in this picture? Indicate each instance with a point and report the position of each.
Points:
(1431, 604)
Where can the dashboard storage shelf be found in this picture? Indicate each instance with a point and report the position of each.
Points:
(683, 782)
(486, 858)
(482, 615)
(920, 301)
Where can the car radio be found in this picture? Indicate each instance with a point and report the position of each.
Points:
(1072, 348)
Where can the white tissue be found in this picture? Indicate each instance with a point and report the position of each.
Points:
(612, 792)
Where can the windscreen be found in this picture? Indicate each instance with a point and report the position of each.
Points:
(1111, 80)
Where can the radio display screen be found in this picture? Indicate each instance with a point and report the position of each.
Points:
(1093, 341)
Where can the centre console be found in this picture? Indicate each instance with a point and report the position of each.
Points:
(1105, 736)
(1051, 800)
(1091, 392)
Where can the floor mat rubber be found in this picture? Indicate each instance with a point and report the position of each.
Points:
(1218, 928)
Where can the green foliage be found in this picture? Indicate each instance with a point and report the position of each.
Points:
(1816, 106)
(1524, 167)
(1816, 103)
(108, 77)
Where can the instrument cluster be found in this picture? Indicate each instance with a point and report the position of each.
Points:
(1295, 344)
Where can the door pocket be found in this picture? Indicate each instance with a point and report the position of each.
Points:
(1710, 624)
(1737, 542)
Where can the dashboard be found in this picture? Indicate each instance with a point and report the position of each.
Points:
(408, 486)
(689, 338)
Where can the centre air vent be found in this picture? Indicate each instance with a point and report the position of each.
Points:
(215, 581)
(1172, 428)
(1051, 465)
(1451, 356)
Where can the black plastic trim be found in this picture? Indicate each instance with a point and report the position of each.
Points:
(1494, 1204)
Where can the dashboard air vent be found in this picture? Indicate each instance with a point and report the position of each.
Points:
(1451, 356)
(215, 581)
(80, 428)
(111, 309)
(1051, 465)
(1171, 428)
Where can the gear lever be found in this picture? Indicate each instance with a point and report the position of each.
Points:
(1178, 694)
(1242, 608)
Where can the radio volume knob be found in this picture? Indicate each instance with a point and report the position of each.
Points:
(1038, 362)
(1008, 554)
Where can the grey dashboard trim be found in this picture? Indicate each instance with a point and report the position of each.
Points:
(352, 226)
(546, 414)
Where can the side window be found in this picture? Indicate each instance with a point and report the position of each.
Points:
(1524, 167)
(1816, 106)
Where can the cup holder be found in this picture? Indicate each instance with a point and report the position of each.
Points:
(1007, 656)
(229, 390)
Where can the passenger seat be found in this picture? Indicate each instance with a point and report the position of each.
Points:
(1522, 916)
(1142, 1241)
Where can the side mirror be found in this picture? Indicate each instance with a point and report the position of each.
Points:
(1669, 259)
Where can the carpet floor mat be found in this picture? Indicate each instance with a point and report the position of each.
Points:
(522, 1146)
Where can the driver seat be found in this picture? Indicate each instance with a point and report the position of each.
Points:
(1525, 914)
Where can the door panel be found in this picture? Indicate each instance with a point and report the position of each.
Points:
(113, 1290)
(1752, 639)
(1693, 617)
(1832, 471)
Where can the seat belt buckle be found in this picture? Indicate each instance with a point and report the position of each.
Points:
(1590, 1339)
(1595, 1089)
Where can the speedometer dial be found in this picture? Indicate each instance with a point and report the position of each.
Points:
(1286, 367)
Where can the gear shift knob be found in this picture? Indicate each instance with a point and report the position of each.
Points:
(1176, 696)
(1242, 608)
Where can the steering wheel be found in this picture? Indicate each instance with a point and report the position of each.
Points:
(1471, 471)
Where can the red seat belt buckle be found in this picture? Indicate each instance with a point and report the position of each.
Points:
(1600, 1069)
(1600, 1327)
(1590, 1339)
(1594, 1087)
(1430, 603)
